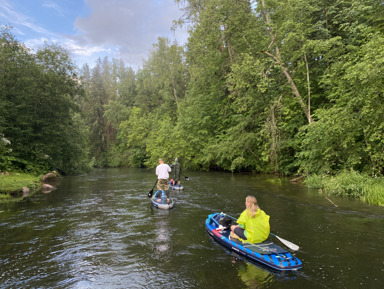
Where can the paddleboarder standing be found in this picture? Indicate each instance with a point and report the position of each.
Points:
(176, 172)
(162, 172)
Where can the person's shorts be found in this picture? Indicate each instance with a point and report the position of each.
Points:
(240, 232)
(163, 184)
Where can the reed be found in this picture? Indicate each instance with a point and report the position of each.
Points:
(314, 181)
(352, 184)
(374, 194)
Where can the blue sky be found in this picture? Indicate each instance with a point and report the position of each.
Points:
(90, 29)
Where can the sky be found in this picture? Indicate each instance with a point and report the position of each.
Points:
(92, 29)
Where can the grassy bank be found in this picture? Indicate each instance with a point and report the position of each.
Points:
(353, 184)
(11, 185)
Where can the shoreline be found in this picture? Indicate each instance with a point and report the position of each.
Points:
(16, 187)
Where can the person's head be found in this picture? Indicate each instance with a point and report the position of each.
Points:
(251, 205)
(161, 161)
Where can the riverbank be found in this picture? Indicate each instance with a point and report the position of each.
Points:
(17, 186)
(12, 184)
(351, 184)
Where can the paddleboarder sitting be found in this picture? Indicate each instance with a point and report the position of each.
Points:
(161, 197)
(253, 223)
(162, 172)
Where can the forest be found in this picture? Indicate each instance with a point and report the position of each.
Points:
(288, 87)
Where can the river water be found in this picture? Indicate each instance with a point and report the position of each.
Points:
(98, 231)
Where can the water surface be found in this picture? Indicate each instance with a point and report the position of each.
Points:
(98, 231)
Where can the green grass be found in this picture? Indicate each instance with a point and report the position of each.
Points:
(11, 185)
(353, 184)
(374, 194)
(314, 181)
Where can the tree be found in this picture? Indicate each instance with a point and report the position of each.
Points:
(133, 134)
(94, 114)
(162, 81)
(38, 106)
(348, 134)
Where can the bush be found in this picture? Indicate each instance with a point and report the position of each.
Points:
(314, 182)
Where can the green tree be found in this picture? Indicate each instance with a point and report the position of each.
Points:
(118, 109)
(58, 89)
(94, 115)
(132, 136)
(162, 81)
(38, 106)
(348, 134)
(160, 88)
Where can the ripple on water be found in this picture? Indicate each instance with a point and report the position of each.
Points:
(99, 231)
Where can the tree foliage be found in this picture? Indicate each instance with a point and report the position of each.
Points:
(269, 86)
(288, 87)
(38, 107)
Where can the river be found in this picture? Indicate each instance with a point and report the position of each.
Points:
(99, 231)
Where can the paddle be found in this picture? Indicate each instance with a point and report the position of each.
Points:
(286, 243)
(290, 245)
(151, 191)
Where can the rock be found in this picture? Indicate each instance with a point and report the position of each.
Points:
(46, 188)
(50, 176)
(26, 191)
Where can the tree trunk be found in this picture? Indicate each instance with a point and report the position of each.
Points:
(277, 58)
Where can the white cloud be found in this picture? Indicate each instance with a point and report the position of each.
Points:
(84, 50)
(124, 29)
(54, 6)
(10, 15)
(130, 25)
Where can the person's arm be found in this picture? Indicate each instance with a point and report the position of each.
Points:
(242, 220)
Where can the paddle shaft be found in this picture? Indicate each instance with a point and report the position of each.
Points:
(151, 191)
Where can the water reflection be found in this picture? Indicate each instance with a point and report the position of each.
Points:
(163, 233)
(256, 276)
(253, 276)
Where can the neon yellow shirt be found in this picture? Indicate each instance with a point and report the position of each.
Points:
(257, 228)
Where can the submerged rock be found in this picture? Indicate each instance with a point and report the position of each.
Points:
(46, 188)
(26, 191)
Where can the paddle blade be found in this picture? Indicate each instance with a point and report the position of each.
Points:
(290, 245)
(150, 193)
(186, 178)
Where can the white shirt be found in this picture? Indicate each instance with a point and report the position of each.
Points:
(162, 171)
